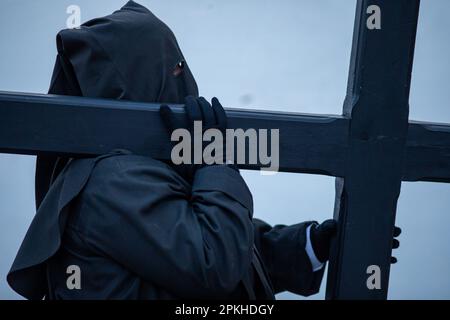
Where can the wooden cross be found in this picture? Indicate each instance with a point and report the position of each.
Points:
(371, 148)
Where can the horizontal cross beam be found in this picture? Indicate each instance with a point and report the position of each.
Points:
(34, 123)
(63, 125)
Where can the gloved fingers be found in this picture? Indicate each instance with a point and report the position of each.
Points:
(328, 227)
(167, 116)
(393, 260)
(221, 116)
(397, 231)
(192, 108)
(320, 236)
(395, 244)
(209, 120)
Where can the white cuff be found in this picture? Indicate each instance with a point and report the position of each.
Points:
(315, 263)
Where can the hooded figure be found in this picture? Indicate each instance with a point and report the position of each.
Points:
(132, 227)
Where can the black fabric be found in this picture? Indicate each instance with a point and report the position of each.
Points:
(130, 223)
(321, 235)
(212, 116)
(43, 239)
(134, 226)
(48, 166)
(283, 253)
(130, 54)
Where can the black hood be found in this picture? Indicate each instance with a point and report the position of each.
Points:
(130, 55)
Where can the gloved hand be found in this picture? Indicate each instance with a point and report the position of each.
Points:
(321, 235)
(395, 242)
(321, 239)
(197, 109)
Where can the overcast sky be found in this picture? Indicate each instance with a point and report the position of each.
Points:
(278, 55)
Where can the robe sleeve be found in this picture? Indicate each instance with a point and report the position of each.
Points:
(283, 251)
(196, 243)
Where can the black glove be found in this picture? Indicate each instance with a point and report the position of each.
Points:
(197, 109)
(321, 238)
(395, 242)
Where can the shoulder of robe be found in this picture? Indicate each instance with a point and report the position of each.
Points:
(123, 186)
(132, 172)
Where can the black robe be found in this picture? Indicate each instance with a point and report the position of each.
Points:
(132, 224)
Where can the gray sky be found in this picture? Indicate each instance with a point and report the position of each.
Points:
(287, 55)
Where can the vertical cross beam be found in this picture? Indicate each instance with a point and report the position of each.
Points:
(377, 105)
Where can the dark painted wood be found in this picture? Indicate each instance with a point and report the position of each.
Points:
(377, 104)
(33, 123)
(37, 123)
(427, 155)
